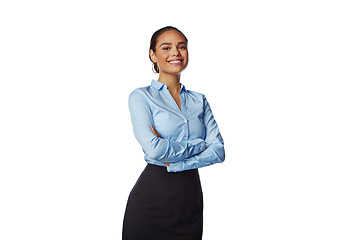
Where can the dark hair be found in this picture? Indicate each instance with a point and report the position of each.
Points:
(154, 39)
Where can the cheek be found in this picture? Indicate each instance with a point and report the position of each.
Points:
(186, 57)
(162, 57)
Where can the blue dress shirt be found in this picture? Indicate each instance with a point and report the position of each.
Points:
(190, 137)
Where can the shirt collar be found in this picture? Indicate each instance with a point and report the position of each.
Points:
(158, 85)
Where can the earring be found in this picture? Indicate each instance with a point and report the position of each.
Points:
(153, 67)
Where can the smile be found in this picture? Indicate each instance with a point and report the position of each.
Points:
(175, 62)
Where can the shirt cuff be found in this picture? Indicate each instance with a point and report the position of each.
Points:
(199, 146)
(175, 167)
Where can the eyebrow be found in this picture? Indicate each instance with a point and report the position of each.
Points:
(170, 43)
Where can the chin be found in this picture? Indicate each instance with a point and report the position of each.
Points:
(174, 72)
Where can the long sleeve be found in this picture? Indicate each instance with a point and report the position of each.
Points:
(214, 153)
(163, 150)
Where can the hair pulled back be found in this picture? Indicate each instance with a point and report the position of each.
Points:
(154, 40)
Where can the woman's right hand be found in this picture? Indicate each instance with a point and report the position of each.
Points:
(155, 132)
(159, 136)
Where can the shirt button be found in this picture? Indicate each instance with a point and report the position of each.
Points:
(185, 138)
(185, 121)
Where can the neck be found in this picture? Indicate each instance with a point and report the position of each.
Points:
(171, 81)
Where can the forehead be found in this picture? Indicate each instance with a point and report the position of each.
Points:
(171, 36)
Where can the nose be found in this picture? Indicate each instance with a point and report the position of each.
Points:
(176, 52)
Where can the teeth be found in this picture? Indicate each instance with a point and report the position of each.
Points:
(175, 61)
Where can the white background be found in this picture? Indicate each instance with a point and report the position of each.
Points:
(282, 78)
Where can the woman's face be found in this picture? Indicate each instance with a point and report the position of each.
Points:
(171, 53)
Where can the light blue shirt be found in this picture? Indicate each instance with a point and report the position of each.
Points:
(190, 137)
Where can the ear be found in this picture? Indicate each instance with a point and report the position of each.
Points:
(153, 55)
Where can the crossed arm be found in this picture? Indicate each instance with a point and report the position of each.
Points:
(177, 156)
(159, 136)
(155, 147)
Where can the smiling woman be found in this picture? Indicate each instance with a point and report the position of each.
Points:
(167, 45)
(171, 55)
(178, 134)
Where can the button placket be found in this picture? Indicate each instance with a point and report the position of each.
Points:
(184, 113)
(186, 130)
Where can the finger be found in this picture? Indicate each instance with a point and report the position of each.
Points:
(155, 132)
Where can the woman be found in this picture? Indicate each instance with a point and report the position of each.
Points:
(178, 134)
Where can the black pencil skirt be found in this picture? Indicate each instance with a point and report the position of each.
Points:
(164, 206)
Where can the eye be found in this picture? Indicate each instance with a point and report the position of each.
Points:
(183, 47)
(166, 48)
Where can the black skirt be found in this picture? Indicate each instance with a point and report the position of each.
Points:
(164, 206)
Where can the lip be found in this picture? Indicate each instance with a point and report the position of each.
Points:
(176, 62)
